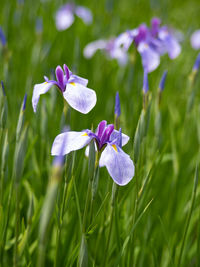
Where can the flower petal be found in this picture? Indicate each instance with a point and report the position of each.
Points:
(38, 90)
(80, 97)
(84, 13)
(77, 79)
(118, 163)
(114, 135)
(91, 48)
(72, 141)
(150, 58)
(195, 40)
(64, 19)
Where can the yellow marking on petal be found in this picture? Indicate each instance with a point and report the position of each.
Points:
(45, 82)
(85, 134)
(115, 148)
(72, 83)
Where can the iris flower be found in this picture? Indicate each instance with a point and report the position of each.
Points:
(151, 43)
(65, 16)
(112, 48)
(108, 142)
(72, 87)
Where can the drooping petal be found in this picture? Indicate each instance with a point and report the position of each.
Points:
(119, 54)
(118, 163)
(150, 58)
(91, 48)
(64, 19)
(170, 43)
(84, 13)
(77, 79)
(173, 47)
(114, 135)
(72, 141)
(195, 40)
(38, 90)
(80, 97)
(124, 40)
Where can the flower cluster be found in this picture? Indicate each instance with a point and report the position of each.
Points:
(108, 141)
(65, 16)
(151, 43)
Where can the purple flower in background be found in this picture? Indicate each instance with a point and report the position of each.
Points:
(195, 40)
(108, 143)
(115, 48)
(154, 42)
(72, 87)
(2, 37)
(151, 43)
(65, 16)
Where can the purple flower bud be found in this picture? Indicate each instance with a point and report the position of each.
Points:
(197, 63)
(162, 81)
(60, 77)
(117, 105)
(2, 37)
(24, 102)
(3, 88)
(145, 82)
(155, 24)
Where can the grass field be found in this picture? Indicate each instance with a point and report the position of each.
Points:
(48, 216)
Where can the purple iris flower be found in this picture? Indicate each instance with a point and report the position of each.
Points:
(153, 42)
(195, 40)
(115, 48)
(72, 87)
(108, 142)
(65, 16)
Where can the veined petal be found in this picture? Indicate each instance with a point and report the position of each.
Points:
(84, 13)
(150, 58)
(72, 141)
(64, 19)
(38, 90)
(80, 97)
(77, 79)
(118, 163)
(114, 135)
